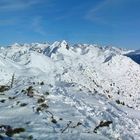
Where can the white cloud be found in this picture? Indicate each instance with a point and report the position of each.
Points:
(4, 22)
(17, 4)
(100, 13)
(37, 26)
(92, 13)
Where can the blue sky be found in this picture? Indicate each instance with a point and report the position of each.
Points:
(103, 22)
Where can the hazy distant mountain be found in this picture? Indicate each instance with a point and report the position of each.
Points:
(134, 55)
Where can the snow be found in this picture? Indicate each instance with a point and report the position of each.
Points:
(83, 85)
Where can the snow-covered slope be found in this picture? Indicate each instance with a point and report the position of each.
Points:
(68, 92)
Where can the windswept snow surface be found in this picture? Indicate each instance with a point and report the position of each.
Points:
(63, 92)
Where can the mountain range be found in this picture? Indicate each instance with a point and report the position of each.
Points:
(69, 92)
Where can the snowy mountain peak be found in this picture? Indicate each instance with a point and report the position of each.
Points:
(15, 45)
(63, 42)
(64, 45)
